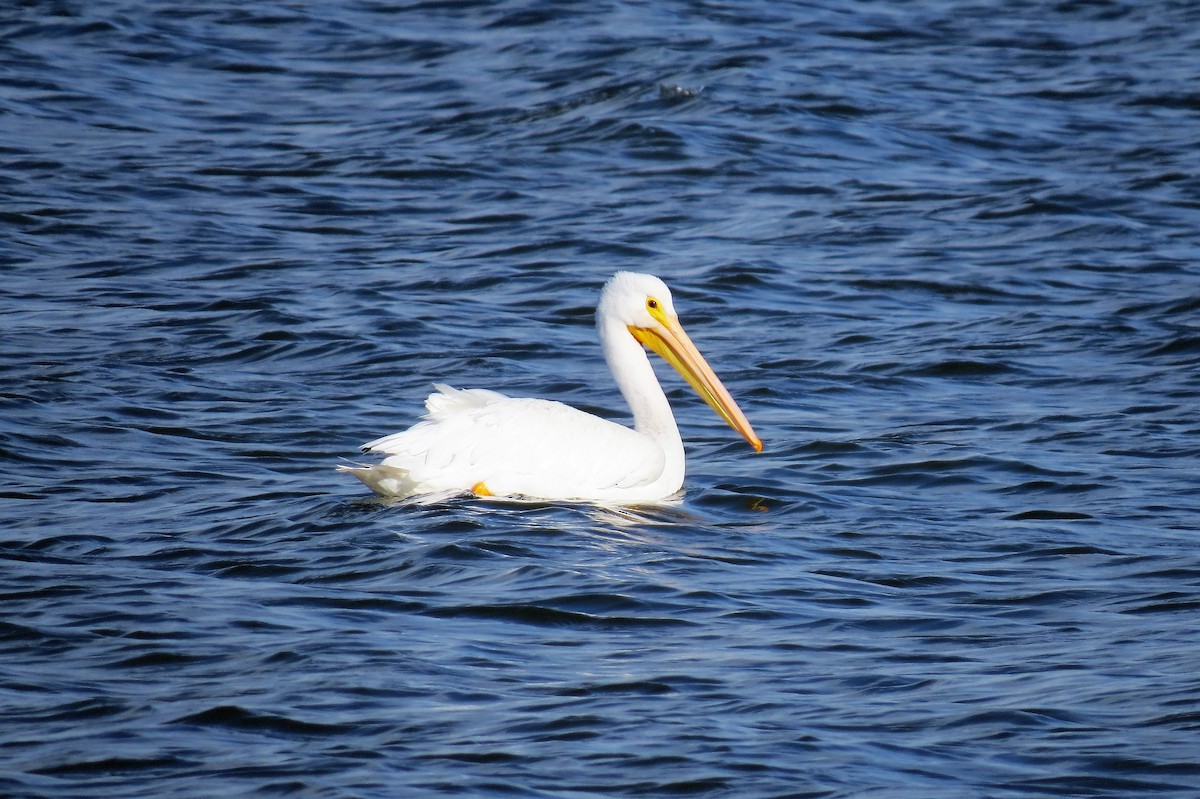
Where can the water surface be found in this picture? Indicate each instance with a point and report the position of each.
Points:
(944, 255)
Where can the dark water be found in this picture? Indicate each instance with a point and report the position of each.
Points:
(944, 254)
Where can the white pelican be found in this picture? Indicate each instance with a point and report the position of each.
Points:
(478, 441)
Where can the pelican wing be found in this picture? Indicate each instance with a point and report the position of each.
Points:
(516, 447)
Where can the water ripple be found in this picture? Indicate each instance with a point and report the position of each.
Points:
(945, 258)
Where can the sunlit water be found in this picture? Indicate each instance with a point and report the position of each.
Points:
(944, 255)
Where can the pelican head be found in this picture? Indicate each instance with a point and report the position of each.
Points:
(643, 304)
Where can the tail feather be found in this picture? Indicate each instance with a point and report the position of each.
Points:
(386, 481)
(417, 447)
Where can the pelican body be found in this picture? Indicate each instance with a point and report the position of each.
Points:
(482, 442)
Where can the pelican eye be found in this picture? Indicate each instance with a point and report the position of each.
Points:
(652, 303)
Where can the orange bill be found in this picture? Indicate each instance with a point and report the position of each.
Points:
(668, 340)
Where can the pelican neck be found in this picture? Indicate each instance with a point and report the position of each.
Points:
(635, 377)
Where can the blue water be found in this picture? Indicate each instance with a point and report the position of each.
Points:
(945, 255)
